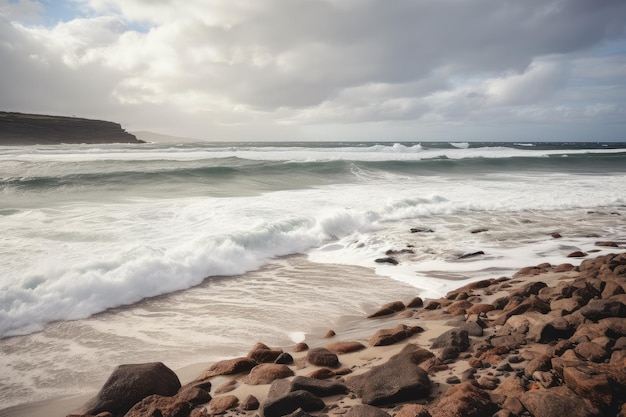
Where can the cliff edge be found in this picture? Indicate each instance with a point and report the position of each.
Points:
(36, 129)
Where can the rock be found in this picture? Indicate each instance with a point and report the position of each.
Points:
(228, 367)
(321, 373)
(329, 334)
(128, 385)
(471, 255)
(464, 400)
(607, 244)
(399, 379)
(421, 230)
(557, 402)
(386, 260)
(577, 254)
(284, 359)
(266, 373)
(299, 413)
(569, 305)
(249, 403)
(158, 405)
(545, 379)
(452, 342)
(194, 395)
(340, 348)
(413, 410)
(600, 309)
(322, 357)
(386, 337)
(264, 354)
(277, 406)
(364, 410)
(556, 235)
(432, 305)
(479, 230)
(388, 309)
(416, 302)
(514, 405)
(488, 382)
(591, 352)
(480, 308)
(300, 347)
(219, 405)
(453, 380)
(590, 384)
(314, 386)
(539, 363)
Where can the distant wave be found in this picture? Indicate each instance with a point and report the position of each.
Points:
(460, 145)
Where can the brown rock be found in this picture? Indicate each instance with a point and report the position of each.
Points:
(600, 309)
(577, 254)
(158, 405)
(591, 351)
(128, 385)
(194, 395)
(399, 379)
(219, 405)
(300, 347)
(607, 244)
(263, 354)
(388, 309)
(480, 308)
(590, 384)
(226, 387)
(321, 373)
(340, 348)
(322, 357)
(329, 334)
(569, 305)
(413, 410)
(249, 403)
(464, 400)
(228, 367)
(399, 333)
(416, 302)
(265, 373)
(539, 363)
(557, 402)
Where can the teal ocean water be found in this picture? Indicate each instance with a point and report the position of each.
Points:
(192, 252)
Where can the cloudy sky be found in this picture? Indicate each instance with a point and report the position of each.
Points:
(323, 69)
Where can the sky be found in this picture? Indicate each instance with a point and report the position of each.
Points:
(396, 70)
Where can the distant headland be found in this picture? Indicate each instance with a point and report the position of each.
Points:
(37, 129)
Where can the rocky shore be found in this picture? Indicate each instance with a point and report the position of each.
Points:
(548, 341)
(36, 129)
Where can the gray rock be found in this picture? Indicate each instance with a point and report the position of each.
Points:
(399, 379)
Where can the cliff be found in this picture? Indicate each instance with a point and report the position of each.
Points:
(35, 129)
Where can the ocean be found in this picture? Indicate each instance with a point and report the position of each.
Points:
(191, 253)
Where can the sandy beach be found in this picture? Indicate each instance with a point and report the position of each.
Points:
(515, 344)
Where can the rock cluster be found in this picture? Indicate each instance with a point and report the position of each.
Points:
(520, 346)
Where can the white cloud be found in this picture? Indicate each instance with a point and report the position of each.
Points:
(321, 62)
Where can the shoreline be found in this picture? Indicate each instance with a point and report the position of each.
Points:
(434, 321)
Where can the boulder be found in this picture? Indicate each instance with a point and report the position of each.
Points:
(249, 403)
(600, 309)
(465, 400)
(266, 373)
(228, 367)
(158, 405)
(317, 387)
(285, 403)
(416, 302)
(284, 359)
(591, 351)
(128, 385)
(399, 379)
(339, 348)
(399, 333)
(263, 354)
(453, 342)
(557, 402)
(219, 405)
(588, 383)
(322, 357)
(388, 309)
